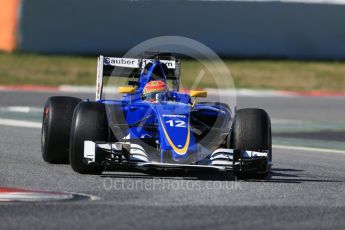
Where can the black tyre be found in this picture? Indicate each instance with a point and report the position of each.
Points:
(252, 131)
(56, 126)
(89, 123)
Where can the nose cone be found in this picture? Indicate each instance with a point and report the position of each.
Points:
(175, 130)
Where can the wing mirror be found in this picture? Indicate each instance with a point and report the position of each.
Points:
(198, 93)
(126, 89)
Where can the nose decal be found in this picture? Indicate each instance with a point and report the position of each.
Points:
(179, 151)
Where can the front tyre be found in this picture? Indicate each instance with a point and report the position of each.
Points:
(56, 127)
(89, 123)
(252, 131)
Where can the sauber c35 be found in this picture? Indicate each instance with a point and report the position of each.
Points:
(163, 130)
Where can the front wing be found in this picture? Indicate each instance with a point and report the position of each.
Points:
(134, 155)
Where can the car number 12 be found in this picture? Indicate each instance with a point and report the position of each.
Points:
(177, 123)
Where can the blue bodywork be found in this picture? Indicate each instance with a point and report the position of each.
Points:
(170, 123)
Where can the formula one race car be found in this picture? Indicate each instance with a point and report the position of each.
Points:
(154, 126)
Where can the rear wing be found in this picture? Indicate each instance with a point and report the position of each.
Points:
(132, 68)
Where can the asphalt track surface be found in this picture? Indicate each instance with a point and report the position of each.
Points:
(306, 189)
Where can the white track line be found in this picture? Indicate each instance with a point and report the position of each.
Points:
(308, 149)
(21, 109)
(38, 125)
(18, 123)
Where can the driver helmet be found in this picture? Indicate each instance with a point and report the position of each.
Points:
(152, 88)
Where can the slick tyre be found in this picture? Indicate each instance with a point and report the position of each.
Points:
(89, 123)
(56, 126)
(252, 131)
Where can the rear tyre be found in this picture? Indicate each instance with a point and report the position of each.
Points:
(89, 123)
(56, 126)
(252, 131)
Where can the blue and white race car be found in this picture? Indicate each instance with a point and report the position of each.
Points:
(154, 126)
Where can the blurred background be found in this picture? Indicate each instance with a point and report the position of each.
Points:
(283, 45)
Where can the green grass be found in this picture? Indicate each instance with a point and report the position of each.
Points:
(17, 68)
(34, 69)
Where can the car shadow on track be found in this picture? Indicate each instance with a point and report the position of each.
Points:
(290, 176)
(277, 175)
(125, 172)
(172, 176)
